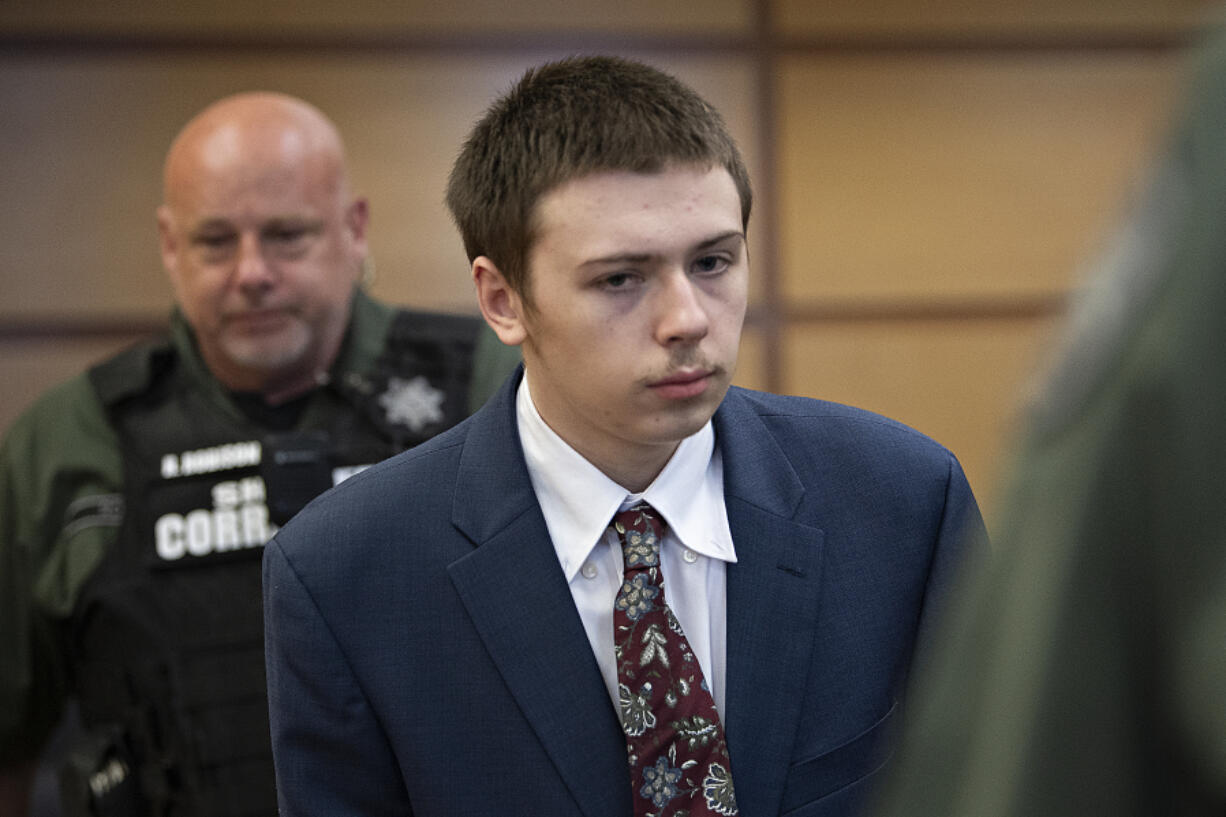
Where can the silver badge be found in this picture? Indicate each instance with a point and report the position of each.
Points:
(413, 403)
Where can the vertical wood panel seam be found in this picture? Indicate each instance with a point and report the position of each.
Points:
(766, 255)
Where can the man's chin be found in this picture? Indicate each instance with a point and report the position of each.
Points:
(682, 421)
(268, 355)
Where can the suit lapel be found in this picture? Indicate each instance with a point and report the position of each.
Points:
(519, 602)
(772, 605)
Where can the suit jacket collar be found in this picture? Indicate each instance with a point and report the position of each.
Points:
(520, 603)
(492, 486)
(773, 593)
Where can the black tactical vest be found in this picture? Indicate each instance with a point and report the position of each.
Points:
(168, 633)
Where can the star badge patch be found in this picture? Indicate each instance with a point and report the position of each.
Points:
(413, 403)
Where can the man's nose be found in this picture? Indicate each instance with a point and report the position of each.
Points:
(682, 315)
(252, 271)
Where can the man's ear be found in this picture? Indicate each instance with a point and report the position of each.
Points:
(357, 219)
(168, 242)
(501, 306)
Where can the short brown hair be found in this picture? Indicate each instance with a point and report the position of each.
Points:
(567, 119)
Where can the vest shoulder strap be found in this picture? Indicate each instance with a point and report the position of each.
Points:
(411, 326)
(132, 371)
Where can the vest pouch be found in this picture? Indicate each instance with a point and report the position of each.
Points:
(296, 467)
(99, 777)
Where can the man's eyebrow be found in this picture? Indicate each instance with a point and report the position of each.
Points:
(642, 258)
(212, 225)
(296, 220)
(720, 239)
(624, 258)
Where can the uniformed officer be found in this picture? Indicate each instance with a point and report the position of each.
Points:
(1083, 668)
(136, 497)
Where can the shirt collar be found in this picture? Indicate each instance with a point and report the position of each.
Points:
(578, 500)
(689, 494)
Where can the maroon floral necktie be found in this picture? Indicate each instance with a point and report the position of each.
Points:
(678, 757)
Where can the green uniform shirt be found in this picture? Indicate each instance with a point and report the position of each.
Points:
(60, 508)
(1084, 669)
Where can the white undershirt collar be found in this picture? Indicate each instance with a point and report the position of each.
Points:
(578, 500)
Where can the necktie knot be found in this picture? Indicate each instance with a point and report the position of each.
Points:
(639, 530)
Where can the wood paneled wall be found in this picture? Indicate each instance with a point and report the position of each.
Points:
(930, 177)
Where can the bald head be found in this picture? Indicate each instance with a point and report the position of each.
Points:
(262, 239)
(257, 128)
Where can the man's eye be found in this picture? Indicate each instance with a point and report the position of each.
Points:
(617, 280)
(287, 235)
(290, 241)
(711, 263)
(213, 242)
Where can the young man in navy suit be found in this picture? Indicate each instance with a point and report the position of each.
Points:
(455, 632)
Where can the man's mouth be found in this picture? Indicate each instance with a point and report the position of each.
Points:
(683, 384)
(258, 320)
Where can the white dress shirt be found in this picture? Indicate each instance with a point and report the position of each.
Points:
(579, 501)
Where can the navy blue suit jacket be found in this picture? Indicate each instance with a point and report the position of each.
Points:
(425, 656)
